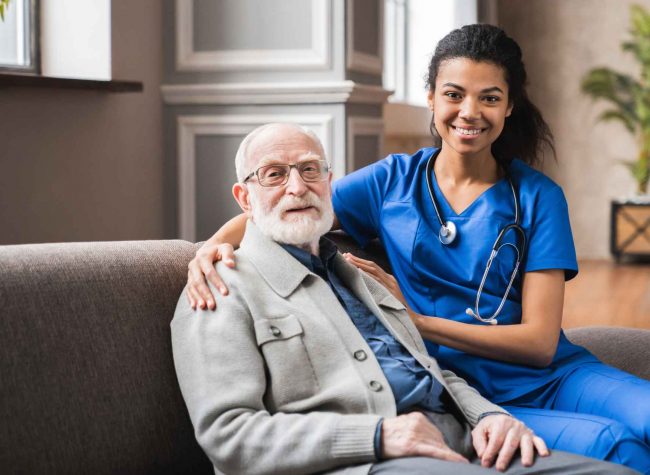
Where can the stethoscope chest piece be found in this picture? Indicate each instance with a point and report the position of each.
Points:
(447, 233)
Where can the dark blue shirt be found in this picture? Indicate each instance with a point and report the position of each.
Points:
(411, 383)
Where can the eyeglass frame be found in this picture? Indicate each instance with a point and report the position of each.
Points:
(291, 166)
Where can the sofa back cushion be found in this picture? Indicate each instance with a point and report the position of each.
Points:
(86, 371)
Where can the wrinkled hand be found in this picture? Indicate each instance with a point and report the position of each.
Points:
(414, 435)
(377, 273)
(201, 268)
(497, 437)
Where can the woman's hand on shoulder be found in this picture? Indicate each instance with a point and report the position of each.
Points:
(201, 269)
(380, 275)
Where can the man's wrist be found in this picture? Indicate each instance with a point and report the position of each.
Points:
(492, 413)
(378, 439)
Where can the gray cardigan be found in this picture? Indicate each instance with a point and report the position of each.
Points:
(274, 380)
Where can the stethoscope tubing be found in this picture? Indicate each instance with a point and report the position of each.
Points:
(448, 233)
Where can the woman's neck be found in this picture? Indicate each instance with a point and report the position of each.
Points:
(458, 169)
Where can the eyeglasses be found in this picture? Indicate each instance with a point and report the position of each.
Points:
(278, 174)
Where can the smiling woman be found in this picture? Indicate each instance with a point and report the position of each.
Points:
(471, 99)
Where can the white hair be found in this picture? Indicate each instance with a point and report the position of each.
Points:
(242, 152)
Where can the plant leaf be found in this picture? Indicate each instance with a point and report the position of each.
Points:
(612, 114)
(619, 89)
(629, 97)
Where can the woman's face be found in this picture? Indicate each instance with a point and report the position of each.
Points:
(470, 105)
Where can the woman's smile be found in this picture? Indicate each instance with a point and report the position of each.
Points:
(467, 132)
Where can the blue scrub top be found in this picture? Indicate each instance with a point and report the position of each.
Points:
(389, 199)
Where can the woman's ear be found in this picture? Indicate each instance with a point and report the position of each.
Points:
(511, 105)
(430, 100)
(242, 196)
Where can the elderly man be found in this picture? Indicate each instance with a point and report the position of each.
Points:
(309, 365)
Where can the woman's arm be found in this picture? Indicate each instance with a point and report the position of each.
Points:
(532, 342)
(220, 246)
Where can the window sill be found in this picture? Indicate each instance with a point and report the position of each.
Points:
(30, 80)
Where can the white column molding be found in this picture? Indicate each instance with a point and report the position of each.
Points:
(363, 126)
(318, 57)
(274, 93)
(189, 127)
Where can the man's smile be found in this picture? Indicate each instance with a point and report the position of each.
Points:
(300, 209)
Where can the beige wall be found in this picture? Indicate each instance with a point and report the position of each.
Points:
(83, 165)
(561, 41)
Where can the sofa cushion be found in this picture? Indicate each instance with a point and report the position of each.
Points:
(88, 382)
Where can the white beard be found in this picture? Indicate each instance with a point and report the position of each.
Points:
(295, 230)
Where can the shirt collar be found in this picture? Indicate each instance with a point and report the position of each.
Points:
(327, 251)
(280, 269)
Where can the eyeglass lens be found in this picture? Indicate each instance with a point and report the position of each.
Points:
(278, 174)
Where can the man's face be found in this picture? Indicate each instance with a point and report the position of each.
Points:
(297, 212)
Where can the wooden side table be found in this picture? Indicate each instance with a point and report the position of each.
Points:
(630, 228)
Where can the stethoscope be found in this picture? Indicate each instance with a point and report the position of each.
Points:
(448, 234)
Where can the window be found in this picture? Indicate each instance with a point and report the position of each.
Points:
(412, 28)
(18, 36)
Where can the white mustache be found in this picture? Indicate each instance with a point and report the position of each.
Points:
(294, 202)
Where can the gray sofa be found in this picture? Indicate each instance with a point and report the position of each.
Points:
(87, 382)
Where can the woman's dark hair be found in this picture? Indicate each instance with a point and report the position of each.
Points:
(525, 132)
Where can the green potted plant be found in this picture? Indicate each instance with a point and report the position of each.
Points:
(629, 96)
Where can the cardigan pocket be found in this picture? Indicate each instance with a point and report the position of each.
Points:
(291, 374)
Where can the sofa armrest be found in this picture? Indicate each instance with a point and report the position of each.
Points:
(625, 348)
(86, 368)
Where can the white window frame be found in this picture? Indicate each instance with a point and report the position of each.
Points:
(27, 33)
(412, 29)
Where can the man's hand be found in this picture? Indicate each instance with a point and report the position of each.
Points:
(202, 267)
(497, 437)
(413, 435)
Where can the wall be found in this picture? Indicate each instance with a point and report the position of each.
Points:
(561, 41)
(84, 165)
(232, 65)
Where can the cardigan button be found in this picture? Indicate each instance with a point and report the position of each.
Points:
(375, 386)
(275, 331)
(360, 355)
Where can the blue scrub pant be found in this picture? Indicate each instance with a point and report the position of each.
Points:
(597, 411)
